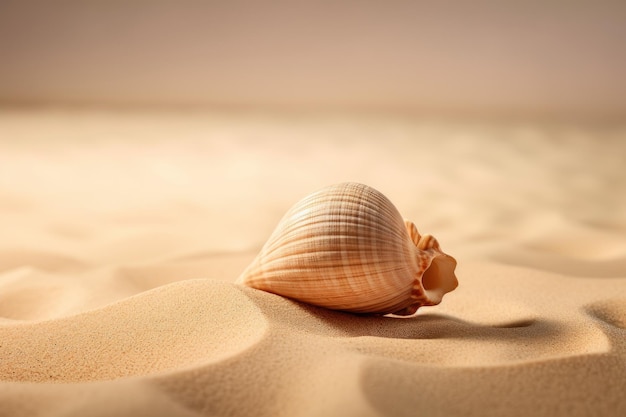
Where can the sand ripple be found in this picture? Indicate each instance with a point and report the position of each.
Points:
(611, 311)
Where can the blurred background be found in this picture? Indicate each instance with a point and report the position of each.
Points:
(542, 59)
(497, 126)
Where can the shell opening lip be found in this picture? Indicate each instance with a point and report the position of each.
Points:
(439, 279)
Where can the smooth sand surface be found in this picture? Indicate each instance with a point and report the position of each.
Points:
(121, 234)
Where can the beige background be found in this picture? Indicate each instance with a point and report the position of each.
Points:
(546, 58)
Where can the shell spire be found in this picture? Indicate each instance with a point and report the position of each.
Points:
(346, 247)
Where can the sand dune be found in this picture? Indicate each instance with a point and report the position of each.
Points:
(118, 257)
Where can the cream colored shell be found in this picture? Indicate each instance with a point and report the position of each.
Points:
(346, 247)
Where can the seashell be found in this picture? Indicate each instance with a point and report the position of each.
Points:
(346, 247)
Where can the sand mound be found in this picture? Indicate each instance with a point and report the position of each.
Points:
(171, 327)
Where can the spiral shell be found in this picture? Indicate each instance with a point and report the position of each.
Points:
(346, 247)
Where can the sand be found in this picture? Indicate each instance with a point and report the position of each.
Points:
(122, 233)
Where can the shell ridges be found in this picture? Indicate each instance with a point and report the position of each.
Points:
(346, 247)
